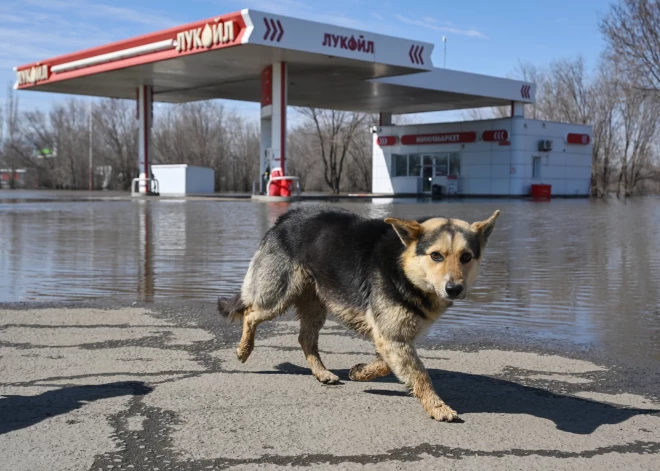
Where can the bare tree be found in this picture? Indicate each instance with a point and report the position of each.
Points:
(606, 96)
(335, 133)
(243, 162)
(360, 162)
(70, 130)
(301, 156)
(116, 146)
(640, 113)
(566, 94)
(196, 134)
(13, 152)
(632, 31)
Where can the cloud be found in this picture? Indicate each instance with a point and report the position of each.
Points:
(444, 27)
(378, 16)
(40, 29)
(35, 30)
(86, 9)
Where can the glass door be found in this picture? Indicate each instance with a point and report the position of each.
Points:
(427, 173)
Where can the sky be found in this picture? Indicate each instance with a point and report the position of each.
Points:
(483, 36)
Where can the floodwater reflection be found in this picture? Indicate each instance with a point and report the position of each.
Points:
(586, 271)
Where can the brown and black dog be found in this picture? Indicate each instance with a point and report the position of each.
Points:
(386, 279)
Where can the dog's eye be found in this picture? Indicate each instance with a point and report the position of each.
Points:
(436, 257)
(466, 257)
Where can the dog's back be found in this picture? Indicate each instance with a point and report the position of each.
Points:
(329, 247)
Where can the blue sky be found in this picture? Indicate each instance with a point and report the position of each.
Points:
(484, 36)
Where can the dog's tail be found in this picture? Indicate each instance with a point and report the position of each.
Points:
(232, 307)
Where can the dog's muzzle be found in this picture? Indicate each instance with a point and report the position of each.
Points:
(454, 290)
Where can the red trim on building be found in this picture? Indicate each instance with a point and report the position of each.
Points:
(239, 31)
(440, 138)
(495, 135)
(579, 139)
(384, 141)
(145, 119)
(267, 86)
(283, 96)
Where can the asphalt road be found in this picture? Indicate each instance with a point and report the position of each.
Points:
(106, 387)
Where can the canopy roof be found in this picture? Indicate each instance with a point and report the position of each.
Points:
(329, 67)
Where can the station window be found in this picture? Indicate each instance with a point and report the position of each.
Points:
(455, 164)
(536, 167)
(441, 165)
(437, 164)
(399, 165)
(414, 165)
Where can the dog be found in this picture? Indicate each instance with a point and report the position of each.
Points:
(387, 279)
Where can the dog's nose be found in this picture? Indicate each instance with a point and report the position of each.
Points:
(453, 289)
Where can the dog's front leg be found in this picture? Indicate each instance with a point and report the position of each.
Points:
(404, 362)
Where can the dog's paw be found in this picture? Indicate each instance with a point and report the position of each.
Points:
(243, 354)
(443, 413)
(326, 377)
(356, 372)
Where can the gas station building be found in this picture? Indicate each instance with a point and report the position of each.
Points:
(279, 61)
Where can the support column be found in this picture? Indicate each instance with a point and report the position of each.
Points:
(145, 118)
(519, 159)
(517, 109)
(274, 97)
(385, 119)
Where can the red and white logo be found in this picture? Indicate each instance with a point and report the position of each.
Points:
(384, 141)
(495, 136)
(579, 139)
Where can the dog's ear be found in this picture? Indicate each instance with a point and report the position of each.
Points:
(408, 231)
(485, 228)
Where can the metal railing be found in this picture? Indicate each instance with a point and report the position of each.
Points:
(296, 179)
(152, 182)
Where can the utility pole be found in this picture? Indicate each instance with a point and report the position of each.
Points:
(444, 59)
(91, 171)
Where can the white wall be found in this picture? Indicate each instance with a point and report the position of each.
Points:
(171, 179)
(200, 180)
(380, 173)
(488, 168)
(184, 179)
(567, 167)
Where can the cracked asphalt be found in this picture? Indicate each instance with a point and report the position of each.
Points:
(157, 387)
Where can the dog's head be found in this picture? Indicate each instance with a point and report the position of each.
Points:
(443, 255)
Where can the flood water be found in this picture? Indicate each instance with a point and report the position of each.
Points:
(578, 270)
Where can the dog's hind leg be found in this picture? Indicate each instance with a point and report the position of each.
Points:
(269, 288)
(371, 371)
(312, 314)
(251, 319)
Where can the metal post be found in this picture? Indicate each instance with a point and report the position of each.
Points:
(91, 171)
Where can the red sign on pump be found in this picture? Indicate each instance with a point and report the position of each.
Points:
(386, 141)
(442, 138)
(267, 86)
(580, 139)
(495, 136)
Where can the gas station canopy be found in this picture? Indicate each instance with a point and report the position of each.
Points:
(329, 67)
